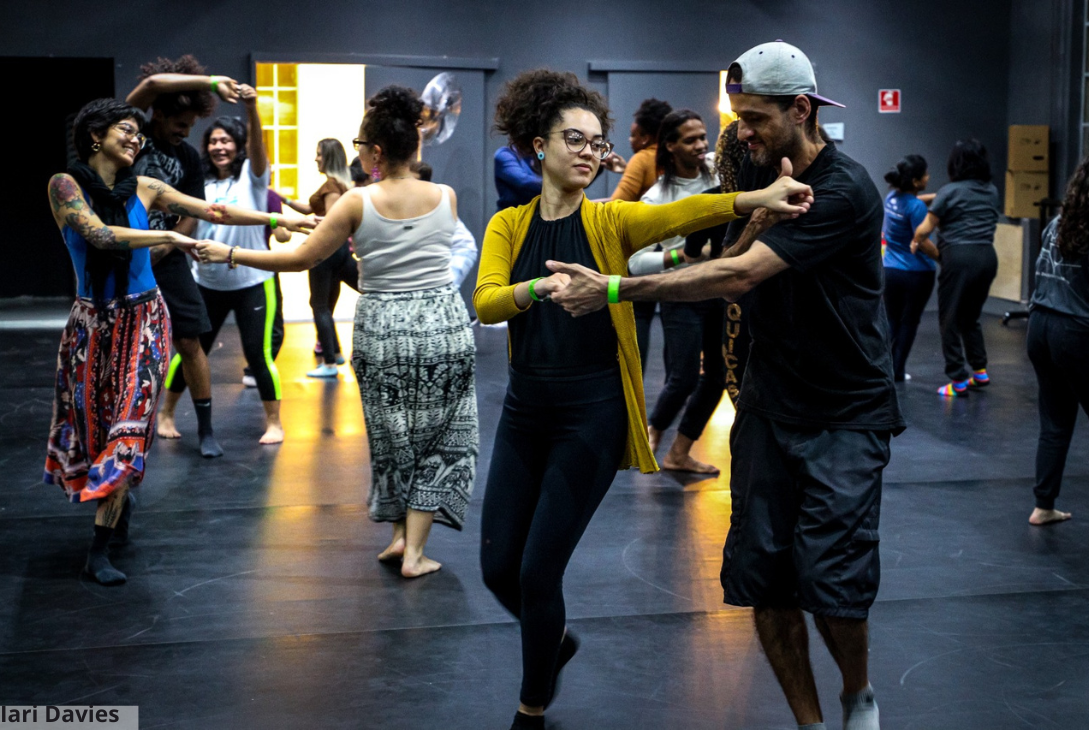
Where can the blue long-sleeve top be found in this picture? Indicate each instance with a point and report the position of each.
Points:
(515, 179)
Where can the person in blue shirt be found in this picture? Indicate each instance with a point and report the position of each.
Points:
(517, 178)
(909, 277)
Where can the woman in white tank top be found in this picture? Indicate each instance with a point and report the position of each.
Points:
(413, 349)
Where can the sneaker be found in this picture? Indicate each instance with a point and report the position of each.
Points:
(979, 378)
(340, 359)
(954, 389)
(249, 381)
(324, 371)
(907, 376)
(317, 348)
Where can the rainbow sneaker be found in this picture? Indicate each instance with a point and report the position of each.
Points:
(979, 378)
(955, 389)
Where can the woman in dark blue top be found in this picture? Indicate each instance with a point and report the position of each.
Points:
(1058, 340)
(116, 345)
(517, 178)
(909, 277)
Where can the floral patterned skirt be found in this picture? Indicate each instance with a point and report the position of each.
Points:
(110, 372)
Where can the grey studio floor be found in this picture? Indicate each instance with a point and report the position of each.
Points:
(255, 600)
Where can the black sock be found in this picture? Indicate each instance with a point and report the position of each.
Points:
(527, 722)
(98, 559)
(203, 407)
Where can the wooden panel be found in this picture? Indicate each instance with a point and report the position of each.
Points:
(1009, 244)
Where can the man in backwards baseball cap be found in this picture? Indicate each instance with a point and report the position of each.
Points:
(817, 404)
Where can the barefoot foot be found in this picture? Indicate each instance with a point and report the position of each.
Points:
(394, 552)
(654, 436)
(684, 462)
(423, 566)
(1047, 516)
(274, 434)
(166, 428)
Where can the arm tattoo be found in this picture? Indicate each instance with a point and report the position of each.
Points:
(179, 209)
(65, 194)
(101, 237)
(217, 213)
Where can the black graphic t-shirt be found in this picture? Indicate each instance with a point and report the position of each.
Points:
(820, 350)
(176, 165)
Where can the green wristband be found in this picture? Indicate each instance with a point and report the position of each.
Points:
(614, 289)
(533, 294)
(676, 258)
(272, 222)
(215, 85)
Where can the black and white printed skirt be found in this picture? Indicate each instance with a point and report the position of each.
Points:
(415, 360)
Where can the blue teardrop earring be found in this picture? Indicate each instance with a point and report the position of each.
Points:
(540, 155)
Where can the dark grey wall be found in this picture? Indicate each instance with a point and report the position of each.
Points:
(950, 59)
(1046, 42)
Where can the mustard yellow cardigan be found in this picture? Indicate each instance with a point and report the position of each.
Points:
(615, 230)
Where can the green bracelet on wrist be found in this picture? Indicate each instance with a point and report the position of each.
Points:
(272, 222)
(215, 85)
(532, 293)
(675, 256)
(614, 289)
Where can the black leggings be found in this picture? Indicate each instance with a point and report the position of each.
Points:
(1058, 346)
(691, 329)
(325, 281)
(557, 449)
(255, 313)
(906, 295)
(963, 284)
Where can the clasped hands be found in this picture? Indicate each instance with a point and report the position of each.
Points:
(586, 291)
(213, 252)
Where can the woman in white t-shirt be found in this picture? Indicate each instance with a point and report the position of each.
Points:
(236, 172)
(690, 329)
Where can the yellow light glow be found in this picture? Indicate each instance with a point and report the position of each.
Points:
(329, 100)
(725, 113)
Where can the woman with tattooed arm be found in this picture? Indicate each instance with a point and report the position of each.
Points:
(114, 349)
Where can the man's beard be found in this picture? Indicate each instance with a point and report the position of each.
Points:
(775, 150)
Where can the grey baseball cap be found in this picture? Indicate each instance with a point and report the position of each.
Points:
(777, 69)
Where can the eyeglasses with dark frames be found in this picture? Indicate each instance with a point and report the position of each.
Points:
(357, 143)
(576, 141)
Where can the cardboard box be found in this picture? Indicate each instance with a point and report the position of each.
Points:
(1029, 148)
(1023, 191)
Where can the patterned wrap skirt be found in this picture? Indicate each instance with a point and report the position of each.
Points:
(415, 359)
(110, 372)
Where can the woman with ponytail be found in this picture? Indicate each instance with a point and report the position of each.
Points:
(413, 349)
(909, 277)
(1058, 340)
(115, 348)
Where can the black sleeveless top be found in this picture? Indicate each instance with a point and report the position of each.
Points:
(546, 340)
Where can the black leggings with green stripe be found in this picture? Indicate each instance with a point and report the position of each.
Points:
(255, 313)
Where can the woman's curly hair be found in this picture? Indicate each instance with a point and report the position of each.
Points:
(201, 102)
(729, 154)
(534, 100)
(392, 122)
(1073, 236)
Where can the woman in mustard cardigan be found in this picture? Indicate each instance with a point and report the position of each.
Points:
(574, 411)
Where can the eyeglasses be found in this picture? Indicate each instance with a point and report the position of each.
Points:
(132, 133)
(576, 141)
(357, 143)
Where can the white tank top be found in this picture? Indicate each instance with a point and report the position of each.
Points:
(404, 255)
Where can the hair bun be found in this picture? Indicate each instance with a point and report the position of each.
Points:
(398, 101)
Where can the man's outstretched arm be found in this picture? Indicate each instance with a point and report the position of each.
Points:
(729, 278)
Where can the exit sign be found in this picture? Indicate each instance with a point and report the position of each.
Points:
(888, 101)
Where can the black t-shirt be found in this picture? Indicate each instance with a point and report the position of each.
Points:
(176, 165)
(546, 340)
(820, 347)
